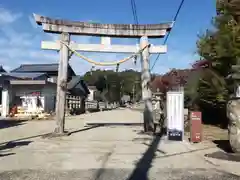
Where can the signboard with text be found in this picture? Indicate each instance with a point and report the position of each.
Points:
(175, 115)
(196, 126)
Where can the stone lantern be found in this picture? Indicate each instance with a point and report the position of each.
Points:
(159, 109)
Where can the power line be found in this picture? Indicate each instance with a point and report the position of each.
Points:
(166, 38)
(135, 17)
(134, 11)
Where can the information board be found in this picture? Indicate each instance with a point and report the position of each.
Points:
(196, 126)
(175, 115)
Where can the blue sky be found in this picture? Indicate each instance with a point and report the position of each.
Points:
(20, 37)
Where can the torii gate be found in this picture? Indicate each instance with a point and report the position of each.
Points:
(67, 28)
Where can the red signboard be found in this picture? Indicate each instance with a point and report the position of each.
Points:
(36, 93)
(196, 126)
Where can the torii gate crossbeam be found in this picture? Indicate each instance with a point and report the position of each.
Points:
(96, 29)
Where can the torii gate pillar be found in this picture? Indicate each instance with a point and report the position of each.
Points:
(62, 84)
(146, 92)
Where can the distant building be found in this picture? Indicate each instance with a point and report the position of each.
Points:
(50, 69)
(39, 80)
(2, 70)
(77, 87)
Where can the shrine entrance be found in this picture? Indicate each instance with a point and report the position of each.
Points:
(67, 48)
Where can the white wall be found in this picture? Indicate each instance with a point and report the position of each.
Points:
(48, 91)
(237, 93)
(91, 95)
(5, 103)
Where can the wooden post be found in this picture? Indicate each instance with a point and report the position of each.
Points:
(62, 85)
(146, 92)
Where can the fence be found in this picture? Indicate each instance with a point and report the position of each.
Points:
(91, 105)
(74, 102)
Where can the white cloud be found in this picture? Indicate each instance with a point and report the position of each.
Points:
(18, 46)
(7, 16)
(15, 38)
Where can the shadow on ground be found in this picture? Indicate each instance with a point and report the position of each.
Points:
(15, 141)
(224, 156)
(114, 124)
(6, 154)
(144, 164)
(98, 110)
(10, 145)
(224, 145)
(93, 110)
(13, 144)
(141, 170)
(6, 146)
(10, 123)
(226, 152)
(85, 129)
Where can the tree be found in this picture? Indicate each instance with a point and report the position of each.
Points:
(220, 46)
(115, 83)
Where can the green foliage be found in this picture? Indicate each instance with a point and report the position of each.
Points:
(191, 90)
(212, 89)
(220, 46)
(116, 83)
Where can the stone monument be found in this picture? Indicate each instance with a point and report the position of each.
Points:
(233, 114)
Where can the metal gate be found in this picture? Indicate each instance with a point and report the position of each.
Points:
(175, 115)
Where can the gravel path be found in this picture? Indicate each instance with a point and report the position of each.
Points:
(117, 174)
(112, 152)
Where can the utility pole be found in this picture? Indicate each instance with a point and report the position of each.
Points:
(136, 83)
(146, 92)
(133, 92)
(121, 87)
